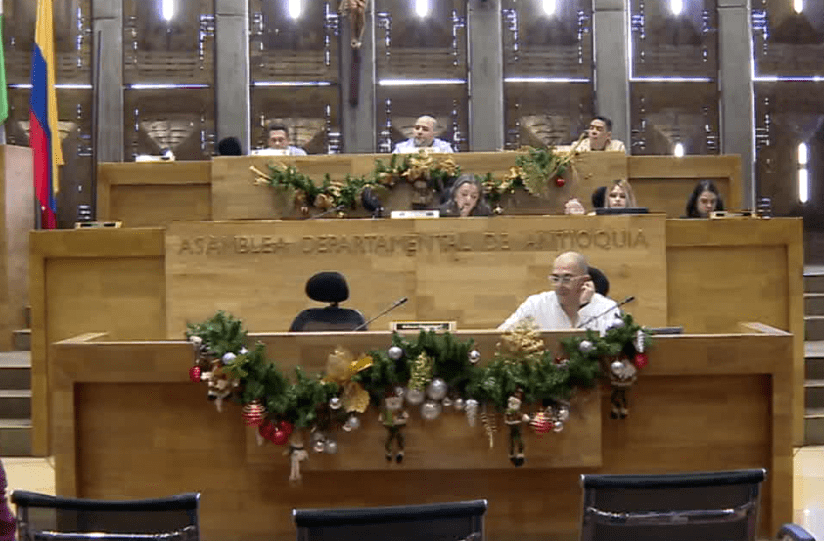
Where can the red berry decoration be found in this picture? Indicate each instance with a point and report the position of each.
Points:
(254, 413)
(280, 437)
(194, 373)
(560, 182)
(287, 427)
(541, 423)
(641, 360)
(267, 430)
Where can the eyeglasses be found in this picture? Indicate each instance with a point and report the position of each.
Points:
(563, 279)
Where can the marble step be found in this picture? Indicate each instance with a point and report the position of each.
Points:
(22, 339)
(15, 370)
(814, 283)
(15, 437)
(814, 304)
(814, 393)
(813, 328)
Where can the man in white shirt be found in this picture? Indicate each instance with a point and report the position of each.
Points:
(279, 143)
(599, 137)
(423, 137)
(562, 309)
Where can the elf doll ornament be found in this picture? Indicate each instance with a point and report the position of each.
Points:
(394, 418)
(513, 417)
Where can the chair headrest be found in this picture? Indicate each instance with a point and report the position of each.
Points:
(599, 280)
(328, 286)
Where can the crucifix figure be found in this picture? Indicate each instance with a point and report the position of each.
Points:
(356, 9)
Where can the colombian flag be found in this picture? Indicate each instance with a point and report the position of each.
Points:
(44, 135)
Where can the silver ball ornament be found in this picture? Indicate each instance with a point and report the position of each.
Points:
(563, 414)
(331, 447)
(319, 446)
(228, 357)
(400, 391)
(353, 423)
(459, 404)
(415, 396)
(196, 340)
(446, 402)
(617, 323)
(616, 367)
(395, 353)
(474, 356)
(244, 351)
(586, 346)
(317, 437)
(335, 403)
(430, 410)
(558, 426)
(436, 390)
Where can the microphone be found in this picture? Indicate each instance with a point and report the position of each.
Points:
(371, 203)
(395, 305)
(605, 312)
(328, 211)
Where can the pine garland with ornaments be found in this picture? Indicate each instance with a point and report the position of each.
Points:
(523, 383)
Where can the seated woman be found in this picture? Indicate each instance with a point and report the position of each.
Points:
(704, 200)
(328, 287)
(466, 199)
(619, 195)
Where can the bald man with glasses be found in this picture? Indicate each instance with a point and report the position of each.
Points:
(563, 308)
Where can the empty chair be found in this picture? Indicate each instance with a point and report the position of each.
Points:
(328, 287)
(458, 521)
(712, 506)
(52, 518)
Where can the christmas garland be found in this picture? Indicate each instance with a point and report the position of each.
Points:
(433, 371)
(534, 171)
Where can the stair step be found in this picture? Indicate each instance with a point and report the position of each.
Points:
(814, 368)
(27, 316)
(813, 283)
(15, 404)
(814, 304)
(814, 328)
(15, 370)
(15, 437)
(22, 339)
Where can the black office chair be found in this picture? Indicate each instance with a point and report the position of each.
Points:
(458, 521)
(712, 506)
(52, 518)
(328, 287)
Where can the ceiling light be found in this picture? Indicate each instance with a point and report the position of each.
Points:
(167, 9)
(678, 151)
(294, 9)
(549, 7)
(676, 6)
(422, 8)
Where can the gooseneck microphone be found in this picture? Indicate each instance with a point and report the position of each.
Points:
(395, 305)
(605, 312)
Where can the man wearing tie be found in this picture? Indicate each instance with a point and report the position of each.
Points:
(562, 308)
(423, 137)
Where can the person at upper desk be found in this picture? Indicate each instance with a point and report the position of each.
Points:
(620, 195)
(561, 309)
(704, 200)
(423, 137)
(599, 137)
(279, 143)
(466, 198)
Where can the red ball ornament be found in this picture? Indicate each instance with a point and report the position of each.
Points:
(287, 427)
(280, 437)
(194, 373)
(560, 182)
(641, 360)
(267, 430)
(254, 414)
(541, 423)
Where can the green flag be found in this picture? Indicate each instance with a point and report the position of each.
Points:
(4, 92)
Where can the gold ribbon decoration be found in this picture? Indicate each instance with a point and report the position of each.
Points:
(341, 366)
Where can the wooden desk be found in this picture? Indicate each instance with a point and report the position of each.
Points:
(716, 273)
(129, 424)
(156, 194)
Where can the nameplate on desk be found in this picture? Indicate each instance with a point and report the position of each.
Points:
(97, 225)
(437, 326)
(403, 214)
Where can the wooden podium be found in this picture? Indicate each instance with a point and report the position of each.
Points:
(129, 424)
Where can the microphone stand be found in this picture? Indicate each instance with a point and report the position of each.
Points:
(605, 312)
(395, 305)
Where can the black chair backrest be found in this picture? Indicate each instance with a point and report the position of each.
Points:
(330, 318)
(456, 521)
(41, 517)
(712, 506)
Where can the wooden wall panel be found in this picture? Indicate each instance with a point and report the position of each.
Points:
(16, 219)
